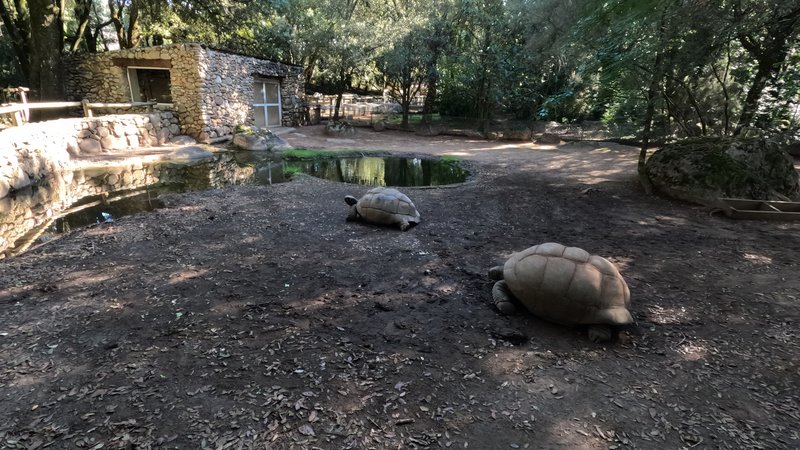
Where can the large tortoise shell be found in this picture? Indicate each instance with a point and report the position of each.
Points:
(567, 285)
(387, 206)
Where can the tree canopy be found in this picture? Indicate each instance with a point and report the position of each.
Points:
(666, 68)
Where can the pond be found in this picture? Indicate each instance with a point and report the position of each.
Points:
(81, 197)
(389, 171)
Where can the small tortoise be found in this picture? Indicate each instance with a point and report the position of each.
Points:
(383, 206)
(565, 285)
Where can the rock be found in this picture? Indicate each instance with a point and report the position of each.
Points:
(275, 143)
(339, 129)
(247, 141)
(89, 147)
(133, 141)
(515, 337)
(183, 140)
(539, 127)
(161, 136)
(73, 149)
(4, 188)
(191, 153)
(464, 132)
(548, 139)
(428, 129)
(702, 170)
(518, 134)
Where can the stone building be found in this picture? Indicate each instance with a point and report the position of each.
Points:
(210, 90)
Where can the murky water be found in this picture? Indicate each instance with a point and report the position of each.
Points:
(390, 171)
(79, 198)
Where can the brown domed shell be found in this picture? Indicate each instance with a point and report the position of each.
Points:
(387, 206)
(568, 285)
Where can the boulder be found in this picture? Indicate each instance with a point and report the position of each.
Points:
(249, 141)
(260, 141)
(182, 140)
(89, 147)
(275, 143)
(339, 129)
(516, 134)
(702, 170)
(190, 153)
(548, 139)
(428, 129)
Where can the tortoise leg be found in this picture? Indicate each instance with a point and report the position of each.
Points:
(353, 214)
(502, 298)
(600, 333)
(496, 273)
(404, 225)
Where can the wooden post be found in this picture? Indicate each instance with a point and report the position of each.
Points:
(18, 118)
(26, 113)
(87, 110)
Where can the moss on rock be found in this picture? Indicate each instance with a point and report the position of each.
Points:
(702, 170)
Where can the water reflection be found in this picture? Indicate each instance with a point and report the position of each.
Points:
(73, 199)
(78, 198)
(386, 171)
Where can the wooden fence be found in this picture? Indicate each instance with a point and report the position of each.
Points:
(22, 109)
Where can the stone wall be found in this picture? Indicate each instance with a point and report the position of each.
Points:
(36, 151)
(227, 90)
(103, 78)
(212, 90)
(29, 214)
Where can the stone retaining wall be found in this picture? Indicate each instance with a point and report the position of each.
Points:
(212, 90)
(36, 151)
(24, 218)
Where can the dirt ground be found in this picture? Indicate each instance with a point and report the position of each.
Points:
(256, 317)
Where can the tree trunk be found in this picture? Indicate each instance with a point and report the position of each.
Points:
(46, 44)
(722, 81)
(338, 104)
(432, 81)
(770, 52)
(754, 95)
(652, 95)
(483, 105)
(83, 13)
(134, 35)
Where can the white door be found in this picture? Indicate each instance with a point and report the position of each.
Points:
(266, 103)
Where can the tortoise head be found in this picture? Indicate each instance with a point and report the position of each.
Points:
(496, 273)
(350, 200)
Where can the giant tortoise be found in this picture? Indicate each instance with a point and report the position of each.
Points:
(383, 206)
(565, 285)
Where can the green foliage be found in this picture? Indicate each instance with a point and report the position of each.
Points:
(290, 170)
(9, 69)
(243, 129)
(686, 68)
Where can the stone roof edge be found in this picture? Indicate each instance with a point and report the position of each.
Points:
(231, 52)
(201, 45)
